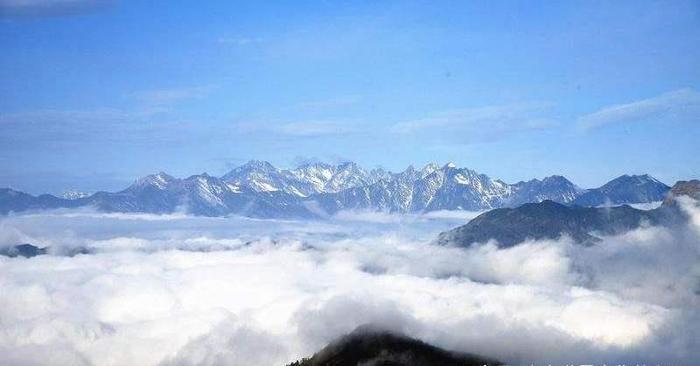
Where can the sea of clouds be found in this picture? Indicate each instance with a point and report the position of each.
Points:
(179, 290)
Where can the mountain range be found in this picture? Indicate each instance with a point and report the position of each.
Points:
(550, 220)
(258, 189)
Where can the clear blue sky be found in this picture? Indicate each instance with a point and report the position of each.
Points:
(94, 94)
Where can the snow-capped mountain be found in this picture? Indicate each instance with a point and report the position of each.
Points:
(258, 189)
(554, 188)
(446, 188)
(199, 195)
(305, 180)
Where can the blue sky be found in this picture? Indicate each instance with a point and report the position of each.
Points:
(96, 93)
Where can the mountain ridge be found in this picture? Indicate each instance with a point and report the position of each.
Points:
(258, 189)
(551, 220)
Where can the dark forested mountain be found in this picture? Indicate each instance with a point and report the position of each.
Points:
(258, 189)
(367, 346)
(550, 220)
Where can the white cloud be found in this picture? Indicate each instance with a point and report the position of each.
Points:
(678, 104)
(211, 291)
(482, 124)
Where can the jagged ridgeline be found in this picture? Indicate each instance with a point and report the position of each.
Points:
(258, 189)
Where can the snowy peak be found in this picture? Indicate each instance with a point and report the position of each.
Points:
(553, 188)
(159, 181)
(347, 175)
(257, 175)
(312, 178)
(302, 181)
(429, 169)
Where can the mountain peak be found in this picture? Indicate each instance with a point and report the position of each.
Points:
(160, 180)
(372, 345)
(639, 178)
(258, 164)
(557, 179)
(625, 189)
(429, 168)
(554, 178)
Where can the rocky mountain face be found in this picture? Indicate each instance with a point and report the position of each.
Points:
(446, 188)
(199, 195)
(367, 346)
(305, 180)
(258, 189)
(690, 188)
(551, 220)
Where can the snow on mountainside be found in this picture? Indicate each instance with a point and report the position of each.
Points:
(554, 188)
(258, 189)
(445, 188)
(303, 181)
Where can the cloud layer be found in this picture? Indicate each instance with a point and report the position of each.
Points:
(177, 290)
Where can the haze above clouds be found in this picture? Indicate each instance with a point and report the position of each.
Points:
(178, 290)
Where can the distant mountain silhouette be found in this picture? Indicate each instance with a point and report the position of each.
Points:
(624, 189)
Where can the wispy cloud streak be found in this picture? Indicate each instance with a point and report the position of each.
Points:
(680, 104)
